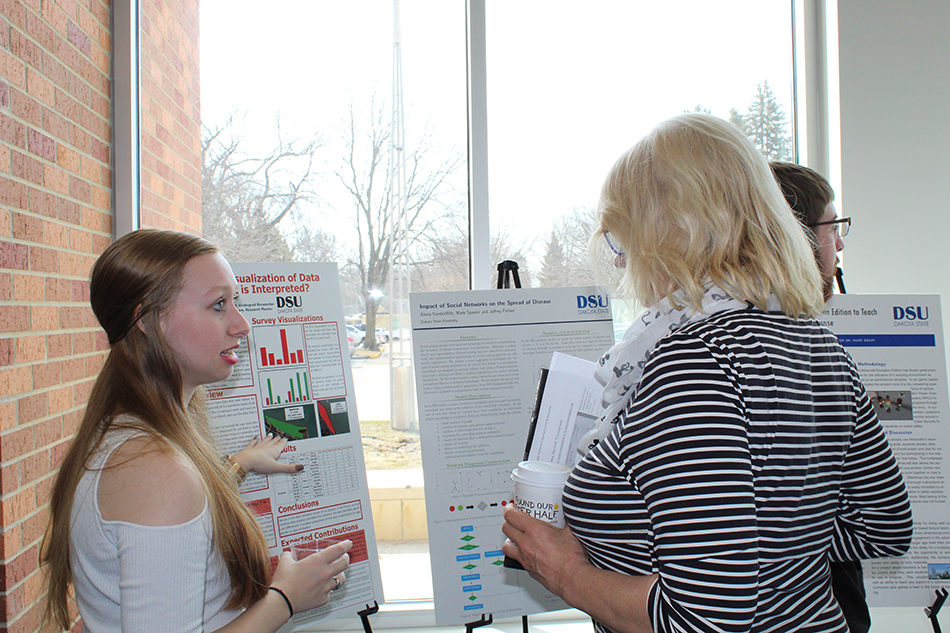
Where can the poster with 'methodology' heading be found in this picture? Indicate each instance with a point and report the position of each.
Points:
(294, 380)
(898, 345)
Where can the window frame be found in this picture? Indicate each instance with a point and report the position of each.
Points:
(126, 132)
(815, 128)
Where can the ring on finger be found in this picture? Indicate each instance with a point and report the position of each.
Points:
(339, 583)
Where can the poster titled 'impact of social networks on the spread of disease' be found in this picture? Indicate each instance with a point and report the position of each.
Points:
(479, 355)
(294, 380)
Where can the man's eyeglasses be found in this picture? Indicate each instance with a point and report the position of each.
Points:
(842, 225)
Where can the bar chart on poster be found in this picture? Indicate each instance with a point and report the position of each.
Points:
(287, 349)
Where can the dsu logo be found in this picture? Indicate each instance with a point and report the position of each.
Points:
(592, 301)
(911, 313)
(289, 302)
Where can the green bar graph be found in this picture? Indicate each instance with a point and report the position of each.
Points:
(298, 390)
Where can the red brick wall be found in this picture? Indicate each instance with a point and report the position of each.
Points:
(55, 217)
(170, 116)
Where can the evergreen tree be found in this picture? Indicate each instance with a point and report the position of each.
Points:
(765, 124)
(554, 267)
(738, 120)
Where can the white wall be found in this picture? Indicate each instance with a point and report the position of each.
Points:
(895, 145)
(894, 64)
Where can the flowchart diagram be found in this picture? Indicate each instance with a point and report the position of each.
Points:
(480, 566)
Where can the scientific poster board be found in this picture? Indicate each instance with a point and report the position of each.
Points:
(478, 357)
(294, 380)
(897, 342)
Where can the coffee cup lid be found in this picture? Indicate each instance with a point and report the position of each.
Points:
(541, 472)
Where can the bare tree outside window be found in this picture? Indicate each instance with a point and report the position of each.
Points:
(252, 204)
(566, 261)
(363, 172)
(445, 265)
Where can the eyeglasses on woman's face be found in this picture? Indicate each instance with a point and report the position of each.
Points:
(842, 225)
(620, 258)
(613, 248)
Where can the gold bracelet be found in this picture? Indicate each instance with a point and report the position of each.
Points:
(236, 470)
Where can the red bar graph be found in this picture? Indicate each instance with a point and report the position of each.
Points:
(286, 357)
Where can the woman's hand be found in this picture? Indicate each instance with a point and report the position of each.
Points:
(260, 456)
(553, 556)
(308, 582)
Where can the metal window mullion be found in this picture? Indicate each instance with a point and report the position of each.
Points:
(479, 233)
(125, 118)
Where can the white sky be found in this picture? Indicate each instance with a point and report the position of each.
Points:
(571, 84)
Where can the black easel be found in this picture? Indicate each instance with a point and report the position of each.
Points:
(507, 275)
(474, 625)
(364, 616)
(932, 611)
(470, 626)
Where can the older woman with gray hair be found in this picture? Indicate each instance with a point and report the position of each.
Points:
(740, 453)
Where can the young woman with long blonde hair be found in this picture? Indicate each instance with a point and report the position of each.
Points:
(146, 521)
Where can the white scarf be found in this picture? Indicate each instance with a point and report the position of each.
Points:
(619, 370)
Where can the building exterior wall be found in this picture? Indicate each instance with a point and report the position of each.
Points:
(56, 217)
(170, 116)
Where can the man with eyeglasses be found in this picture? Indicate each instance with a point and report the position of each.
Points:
(812, 200)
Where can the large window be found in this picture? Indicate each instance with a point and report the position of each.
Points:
(305, 109)
(572, 87)
(301, 101)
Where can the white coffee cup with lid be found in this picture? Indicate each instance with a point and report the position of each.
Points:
(538, 487)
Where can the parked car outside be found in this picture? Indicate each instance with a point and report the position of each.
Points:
(356, 334)
(350, 343)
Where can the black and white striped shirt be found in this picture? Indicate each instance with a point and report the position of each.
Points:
(749, 456)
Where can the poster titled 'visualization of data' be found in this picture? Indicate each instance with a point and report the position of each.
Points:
(294, 381)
